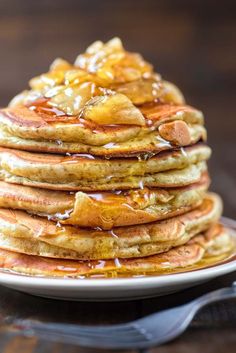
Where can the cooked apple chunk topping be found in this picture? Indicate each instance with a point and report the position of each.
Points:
(103, 85)
(25, 98)
(114, 108)
(70, 99)
(112, 63)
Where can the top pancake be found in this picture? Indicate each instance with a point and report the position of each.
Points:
(171, 126)
(109, 103)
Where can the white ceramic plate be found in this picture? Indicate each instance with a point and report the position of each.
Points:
(114, 289)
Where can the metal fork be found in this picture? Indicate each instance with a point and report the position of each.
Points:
(144, 333)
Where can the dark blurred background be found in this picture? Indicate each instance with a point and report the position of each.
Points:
(190, 42)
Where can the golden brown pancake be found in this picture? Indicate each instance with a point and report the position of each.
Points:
(168, 131)
(79, 172)
(104, 209)
(214, 241)
(146, 146)
(23, 233)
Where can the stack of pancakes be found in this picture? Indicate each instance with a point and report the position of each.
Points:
(103, 172)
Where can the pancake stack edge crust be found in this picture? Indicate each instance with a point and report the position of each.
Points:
(103, 171)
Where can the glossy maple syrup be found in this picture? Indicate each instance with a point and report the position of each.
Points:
(52, 114)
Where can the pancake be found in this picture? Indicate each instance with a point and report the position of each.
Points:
(79, 172)
(167, 131)
(175, 178)
(23, 233)
(215, 241)
(148, 145)
(104, 209)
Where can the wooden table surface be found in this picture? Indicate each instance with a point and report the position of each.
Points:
(191, 43)
(213, 329)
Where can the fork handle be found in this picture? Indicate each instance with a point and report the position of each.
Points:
(54, 332)
(215, 296)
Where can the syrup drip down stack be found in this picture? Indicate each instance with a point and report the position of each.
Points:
(103, 173)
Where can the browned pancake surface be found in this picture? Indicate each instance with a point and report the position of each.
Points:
(132, 241)
(104, 209)
(180, 257)
(79, 172)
